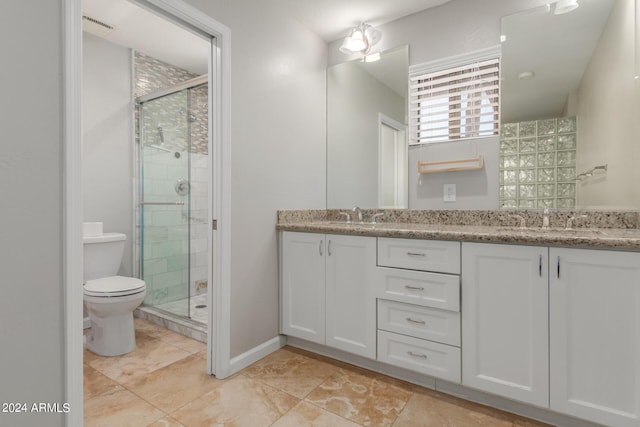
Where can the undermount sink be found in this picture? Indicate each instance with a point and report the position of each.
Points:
(579, 231)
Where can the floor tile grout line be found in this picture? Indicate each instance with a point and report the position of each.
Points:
(168, 413)
(331, 412)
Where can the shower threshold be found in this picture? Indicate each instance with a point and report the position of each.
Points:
(179, 324)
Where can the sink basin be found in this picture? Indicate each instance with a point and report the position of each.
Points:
(572, 231)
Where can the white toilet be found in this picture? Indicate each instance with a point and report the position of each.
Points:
(110, 299)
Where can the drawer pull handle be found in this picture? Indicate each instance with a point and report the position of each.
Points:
(420, 355)
(422, 322)
(415, 254)
(415, 288)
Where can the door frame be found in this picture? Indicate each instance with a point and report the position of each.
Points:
(219, 248)
(384, 120)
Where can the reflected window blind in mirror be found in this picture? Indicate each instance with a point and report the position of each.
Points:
(455, 103)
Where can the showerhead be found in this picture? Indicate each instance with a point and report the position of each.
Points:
(161, 133)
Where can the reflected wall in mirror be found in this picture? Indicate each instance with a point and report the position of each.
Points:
(366, 141)
(556, 67)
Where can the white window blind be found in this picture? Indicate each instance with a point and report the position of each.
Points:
(455, 103)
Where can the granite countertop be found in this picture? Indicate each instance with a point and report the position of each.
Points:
(601, 238)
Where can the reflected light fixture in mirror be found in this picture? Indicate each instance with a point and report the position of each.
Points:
(565, 6)
(361, 39)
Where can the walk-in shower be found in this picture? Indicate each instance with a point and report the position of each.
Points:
(172, 198)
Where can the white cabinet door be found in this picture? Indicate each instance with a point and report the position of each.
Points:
(505, 317)
(303, 290)
(351, 303)
(595, 335)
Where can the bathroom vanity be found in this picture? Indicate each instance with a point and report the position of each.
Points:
(545, 317)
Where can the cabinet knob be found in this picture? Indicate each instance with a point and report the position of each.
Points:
(320, 247)
(421, 322)
(415, 288)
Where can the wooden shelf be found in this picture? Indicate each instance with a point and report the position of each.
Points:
(474, 163)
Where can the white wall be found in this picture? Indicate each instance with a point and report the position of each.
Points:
(31, 252)
(608, 121)
(353, 102)
(278, 149)
(107, 139)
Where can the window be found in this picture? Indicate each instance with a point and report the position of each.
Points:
(455, 103)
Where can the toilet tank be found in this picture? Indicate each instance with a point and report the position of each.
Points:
(102, 255)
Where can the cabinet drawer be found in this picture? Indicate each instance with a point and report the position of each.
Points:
(426, 357)
(418, 287)
(426, 255)
(419, 322)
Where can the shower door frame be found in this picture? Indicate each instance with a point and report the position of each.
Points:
(219, 247)
(139, 193)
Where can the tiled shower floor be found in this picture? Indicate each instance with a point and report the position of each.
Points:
(197, 304)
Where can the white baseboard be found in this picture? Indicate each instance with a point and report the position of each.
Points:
(240, 362)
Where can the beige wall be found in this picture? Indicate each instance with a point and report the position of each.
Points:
(608, 118)
(107, 164)
(353, 102)
(278, 150)
(31, 235)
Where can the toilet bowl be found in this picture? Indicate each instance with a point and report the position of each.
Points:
(110, 299)
(110, 302)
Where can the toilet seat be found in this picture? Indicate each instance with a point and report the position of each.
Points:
(114, 286)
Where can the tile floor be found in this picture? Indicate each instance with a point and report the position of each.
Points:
(164, 383)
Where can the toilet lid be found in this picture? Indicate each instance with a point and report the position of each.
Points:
(113, 286)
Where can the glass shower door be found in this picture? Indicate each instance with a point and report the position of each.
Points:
(164, 202)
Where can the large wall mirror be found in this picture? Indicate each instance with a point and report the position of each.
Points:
(570, 134)
(366, 142)
(570, 117)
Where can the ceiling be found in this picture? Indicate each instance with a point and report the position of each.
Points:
(331, 19)
(146, 32)
(150, 34)
(556, 48)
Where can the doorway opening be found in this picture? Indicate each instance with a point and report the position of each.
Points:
(218, 243)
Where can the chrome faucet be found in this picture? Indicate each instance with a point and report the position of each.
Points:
(347, 216)
(570, 221)
(357, 210)
(545, 218)
(374, 217)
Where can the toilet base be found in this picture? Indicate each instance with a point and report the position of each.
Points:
(112, 336)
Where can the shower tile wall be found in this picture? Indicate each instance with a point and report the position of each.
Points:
(151, 75)
(538, 164)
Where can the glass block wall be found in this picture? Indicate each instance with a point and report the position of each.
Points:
(538, 164)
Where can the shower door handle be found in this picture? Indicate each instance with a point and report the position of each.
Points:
(163, 203)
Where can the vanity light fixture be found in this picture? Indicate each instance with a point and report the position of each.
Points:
(565, 6)
(360, 39)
